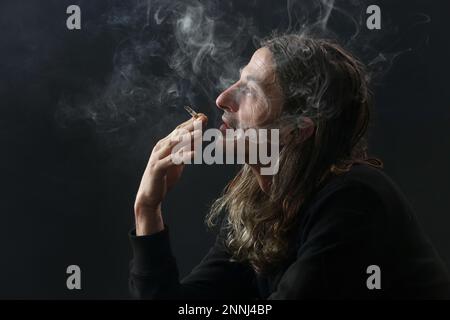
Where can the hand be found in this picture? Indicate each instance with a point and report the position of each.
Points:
(161, 174)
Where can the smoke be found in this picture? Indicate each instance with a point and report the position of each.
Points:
(169, 54)
(173, 53)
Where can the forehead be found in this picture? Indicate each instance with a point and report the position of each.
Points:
(261, 67)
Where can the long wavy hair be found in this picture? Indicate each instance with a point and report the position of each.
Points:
(325, 83)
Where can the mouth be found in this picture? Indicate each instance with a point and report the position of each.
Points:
(224, 125)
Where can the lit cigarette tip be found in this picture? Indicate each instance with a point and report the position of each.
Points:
(190, 111)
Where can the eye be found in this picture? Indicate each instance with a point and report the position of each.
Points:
(244, 89)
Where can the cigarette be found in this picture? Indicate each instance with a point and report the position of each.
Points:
(191, 111)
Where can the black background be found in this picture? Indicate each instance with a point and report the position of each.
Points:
(67, 192)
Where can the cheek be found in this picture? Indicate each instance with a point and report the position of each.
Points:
(256, 107)
(254, 113)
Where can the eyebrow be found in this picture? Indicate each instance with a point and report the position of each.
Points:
(250, 77)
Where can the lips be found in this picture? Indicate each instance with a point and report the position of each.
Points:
(225, 124)
(223, 127)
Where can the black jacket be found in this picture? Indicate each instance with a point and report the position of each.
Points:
(356, 220)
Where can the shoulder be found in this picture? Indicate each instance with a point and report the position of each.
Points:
(364, 197)
(363, 186)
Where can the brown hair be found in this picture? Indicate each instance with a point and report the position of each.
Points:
(325, 83)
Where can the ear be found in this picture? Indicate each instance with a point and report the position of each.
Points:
(300, 132)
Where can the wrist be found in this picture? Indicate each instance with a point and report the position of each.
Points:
(148, 220)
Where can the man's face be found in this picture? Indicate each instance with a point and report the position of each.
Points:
(256, 99)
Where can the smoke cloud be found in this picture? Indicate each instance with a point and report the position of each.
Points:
(175, 53)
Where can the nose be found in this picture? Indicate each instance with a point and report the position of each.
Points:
(227, 100)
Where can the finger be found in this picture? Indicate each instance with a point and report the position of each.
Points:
(174, 137)
(194, 123)
(176, 143)
(176, 159)
(200, 119)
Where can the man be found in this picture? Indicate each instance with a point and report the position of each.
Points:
(328, 224)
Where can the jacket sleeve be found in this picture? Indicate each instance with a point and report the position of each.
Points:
(154, 272)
